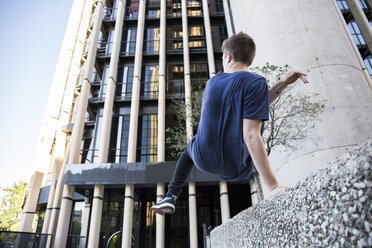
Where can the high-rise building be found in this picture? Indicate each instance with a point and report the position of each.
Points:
(103, 159)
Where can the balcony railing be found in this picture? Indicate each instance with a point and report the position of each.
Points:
(10, 239)
(149, 90)
(109, 14)
(151, 46)
(217, 43)
(153, 13)
(216, 9)
(128, 48)
(131, 13)
(89, 155)
(175, 45)
(175, 88)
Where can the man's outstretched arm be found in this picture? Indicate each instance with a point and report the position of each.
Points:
(256, 147)
(288, 79)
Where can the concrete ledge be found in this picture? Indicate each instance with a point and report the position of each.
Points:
(331, 208)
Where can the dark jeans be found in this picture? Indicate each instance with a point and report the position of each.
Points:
(183, 169)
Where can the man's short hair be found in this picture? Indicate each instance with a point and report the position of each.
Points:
(241, 46)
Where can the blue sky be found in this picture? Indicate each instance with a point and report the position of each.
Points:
(31, 37)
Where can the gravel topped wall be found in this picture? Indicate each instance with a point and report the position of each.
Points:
(331, 208)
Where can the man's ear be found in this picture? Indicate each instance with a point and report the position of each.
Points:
(229, 57)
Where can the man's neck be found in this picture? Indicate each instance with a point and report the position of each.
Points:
(236, 67)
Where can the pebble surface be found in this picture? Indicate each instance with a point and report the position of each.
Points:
(331, 208)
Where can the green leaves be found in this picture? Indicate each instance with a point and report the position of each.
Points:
(10, 214)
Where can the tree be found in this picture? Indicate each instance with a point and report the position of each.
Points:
(10, 215)
(292, 114)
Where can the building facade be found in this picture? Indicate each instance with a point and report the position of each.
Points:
(103, 160)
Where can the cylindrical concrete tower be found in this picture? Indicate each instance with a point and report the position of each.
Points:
(312, 35)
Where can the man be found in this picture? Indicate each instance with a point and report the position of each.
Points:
(228, 142)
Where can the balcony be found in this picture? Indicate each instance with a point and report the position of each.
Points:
(128, 48)
(216, 9)
(109, 14)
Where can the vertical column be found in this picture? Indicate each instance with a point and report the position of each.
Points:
(57, 200)
(133, 126)
(362, 21)
(31, 202)
(96, 215)
(77, 133)
(57, 163)
(228, 18)
(85, 220)
(208, 37)
(254, 192)
(224, 199)
(186, 67)
(160, 189)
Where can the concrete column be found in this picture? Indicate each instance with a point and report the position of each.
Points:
(362, 21)
(133, 126)
(57, 200)
(162, 83)
(354, 47)
(160, 189)
(208, 37)
(128, 216)
(193, 228)
(254, 193)
(106, 126)
(85, 222)
(95, 222)
(57, 164)
(29, 210)
(186, 69)
(193, 222)
(64, 221)
(304, 40)
(224, 199)
(160, 219)
(228, 18)
(77, 133)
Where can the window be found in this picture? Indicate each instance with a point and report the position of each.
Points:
(174, 8)
(194, 8)
(150, 86)
(152, 42)
(91, 142)
(123, 135)
(363, 4)
(128, 45)
(103, 87)
(175, 80)
(219, 34)
(355, 32)
(216, 8)
(196, 38)
(343, 5)
(174, 39)
(125, 82)
(153, 8)
(199, 74)
(132, 9)
(148, 138)
(368, 63)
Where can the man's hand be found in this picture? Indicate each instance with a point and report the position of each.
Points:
(292, 77)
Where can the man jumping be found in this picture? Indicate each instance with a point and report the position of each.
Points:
(228, 142)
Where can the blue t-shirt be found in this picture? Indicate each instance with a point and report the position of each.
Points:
(218, 147)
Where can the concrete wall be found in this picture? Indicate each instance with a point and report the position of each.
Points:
(331, 208)
(312, 35)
